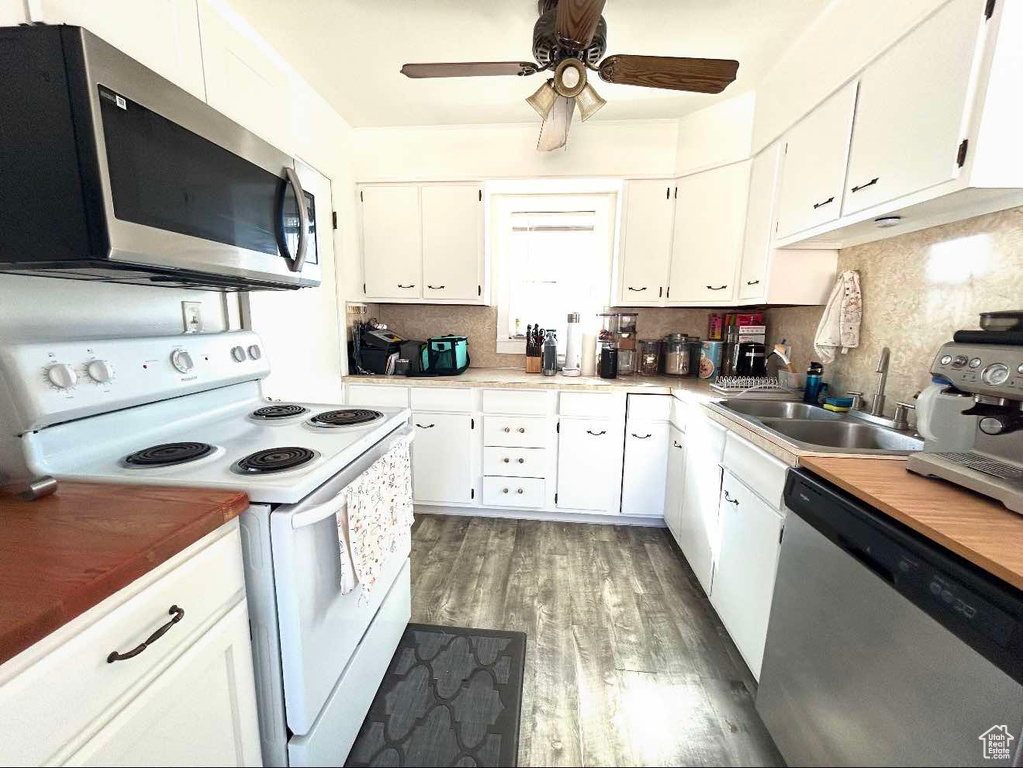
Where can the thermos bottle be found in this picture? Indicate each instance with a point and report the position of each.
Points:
(814, 383)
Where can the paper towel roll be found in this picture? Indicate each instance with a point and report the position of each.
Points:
(589, 354)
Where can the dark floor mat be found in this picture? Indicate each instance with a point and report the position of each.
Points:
(451, 697)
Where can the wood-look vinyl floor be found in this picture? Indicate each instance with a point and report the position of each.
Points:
(626, 661)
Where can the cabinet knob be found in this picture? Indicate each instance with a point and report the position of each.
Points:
(522, 461)
(519, 490)
(507, 429)
(504, 490)
(522, 430)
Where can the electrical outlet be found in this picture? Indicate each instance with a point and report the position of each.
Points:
(191, 313)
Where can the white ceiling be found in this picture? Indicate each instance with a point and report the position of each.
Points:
(351, 52)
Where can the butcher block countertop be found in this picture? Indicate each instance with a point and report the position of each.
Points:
(974, 527)
(65, 553)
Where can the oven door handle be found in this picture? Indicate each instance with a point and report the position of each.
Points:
(295, 264)
(322, 511)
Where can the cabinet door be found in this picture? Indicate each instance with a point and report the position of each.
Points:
(161, 34)
(756, 246)
(392, 253)
(675, 481)
(813, 169)
(245, 80)
(699, 522)
(710, 216)
(746, 568)
(910, 109)
(442, 468)
(453, 242)
(646, 468)
(646, 245)
(200, 711)
(585, 447)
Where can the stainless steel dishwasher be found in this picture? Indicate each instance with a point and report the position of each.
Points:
(884, 648)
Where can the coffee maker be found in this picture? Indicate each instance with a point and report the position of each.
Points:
(971, 417)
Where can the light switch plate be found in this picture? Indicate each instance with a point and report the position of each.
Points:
(191, 315)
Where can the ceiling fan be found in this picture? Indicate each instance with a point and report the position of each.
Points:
(569, 38)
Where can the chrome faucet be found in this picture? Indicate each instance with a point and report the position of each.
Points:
(877, 403)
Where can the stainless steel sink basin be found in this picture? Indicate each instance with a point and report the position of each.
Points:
(845, 434)
(779, 409)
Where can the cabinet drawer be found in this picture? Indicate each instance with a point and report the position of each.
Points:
(515, 462)
(515, 431)
(600, 405)
(649, 407)
(763, 473)
(513, 492)
(510, 401)
(377, 394)
(436, 399)
(73, 687)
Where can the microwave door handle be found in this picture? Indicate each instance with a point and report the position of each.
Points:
(296, 264)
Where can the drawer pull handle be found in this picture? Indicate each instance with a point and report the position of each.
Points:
(522, 461)
(596, 434)
(522, 430)
(730, 500)
(752, 282)
(637, 290)
(519, 490)
(406, 286)
(718, 288)
(824, 202)
(425, 426)
(177, 615)
(436, 287)
(870, 183)
(677, 443)
(642, 437)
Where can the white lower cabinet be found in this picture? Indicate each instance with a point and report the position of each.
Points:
(646, 467)
(699, 520)
(584, 449)
(746, 567)
(442, 466)
(675, 483)
(200, 711)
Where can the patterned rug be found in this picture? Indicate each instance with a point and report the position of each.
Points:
(451, 697)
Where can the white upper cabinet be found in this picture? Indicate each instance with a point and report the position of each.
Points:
(452, 241)
(646, 243)
(392, 242)
(710, 217)
(245, 78)
(813, 174)
(911, 107)
(162, 34)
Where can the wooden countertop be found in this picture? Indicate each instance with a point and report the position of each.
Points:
(63, 554)
(971, 525)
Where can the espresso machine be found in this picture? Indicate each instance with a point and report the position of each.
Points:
(971, 416)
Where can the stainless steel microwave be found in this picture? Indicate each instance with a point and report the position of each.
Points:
(110, 172)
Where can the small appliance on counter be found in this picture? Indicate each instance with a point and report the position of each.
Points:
(971, 418)
(627, 322)
(740, 329)
(607, 345)
(376, 349)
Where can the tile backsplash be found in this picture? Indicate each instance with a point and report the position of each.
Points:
(918, 289)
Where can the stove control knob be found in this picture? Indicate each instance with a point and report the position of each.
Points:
(996, 374)
(62, 376)
(255, 352)
(959, 361)
(100, 371)
(181, 360)
(238, 353)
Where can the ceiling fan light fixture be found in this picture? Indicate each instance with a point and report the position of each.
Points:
(570, 78)
(589, 102)
(543, 99)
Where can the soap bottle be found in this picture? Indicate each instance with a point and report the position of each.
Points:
(814, 383)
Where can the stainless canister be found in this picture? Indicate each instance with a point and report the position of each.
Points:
(680, 354)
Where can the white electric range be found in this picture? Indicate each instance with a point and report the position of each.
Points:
(187, 410)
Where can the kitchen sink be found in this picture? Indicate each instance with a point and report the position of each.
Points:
(846, 434)
(779, 409)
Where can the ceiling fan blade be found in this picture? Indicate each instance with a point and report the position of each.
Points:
(470, 69)
(676, 73)
(554, 132)
(577, 21)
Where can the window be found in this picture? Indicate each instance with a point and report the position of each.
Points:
(553, 257)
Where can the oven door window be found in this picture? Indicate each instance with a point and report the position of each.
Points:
(166, 177)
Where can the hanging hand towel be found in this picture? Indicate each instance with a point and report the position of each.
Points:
(840, 325)
(375, 517)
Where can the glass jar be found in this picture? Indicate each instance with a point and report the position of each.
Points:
(626, 361)
(649, 361)
(681, 354)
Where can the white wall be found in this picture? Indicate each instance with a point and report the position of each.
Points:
(12, 12)
(719, 134)
(433, 153)
(842, 40)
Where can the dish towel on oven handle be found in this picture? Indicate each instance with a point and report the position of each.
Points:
(375, 517)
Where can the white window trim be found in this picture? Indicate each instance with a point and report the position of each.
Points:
(605, 202)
